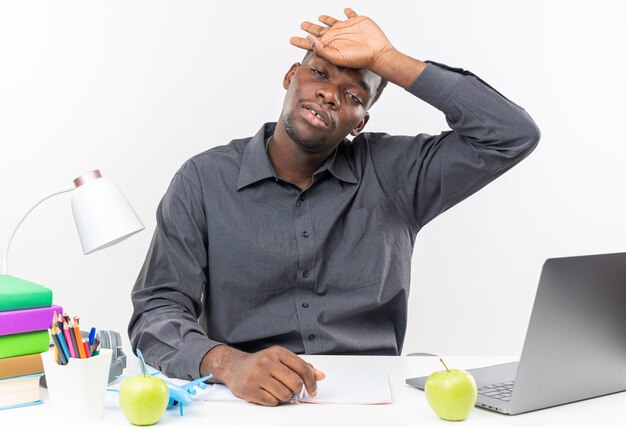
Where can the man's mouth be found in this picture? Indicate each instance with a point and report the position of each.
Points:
(315, 117)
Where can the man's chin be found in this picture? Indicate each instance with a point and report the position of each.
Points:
(306, 141)
(310, 143)
(312, 147)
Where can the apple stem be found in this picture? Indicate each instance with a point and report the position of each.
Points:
(444, 364)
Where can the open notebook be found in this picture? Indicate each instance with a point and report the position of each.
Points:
(337, 387)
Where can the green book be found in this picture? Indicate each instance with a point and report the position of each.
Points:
(20, 294)
(27, 343)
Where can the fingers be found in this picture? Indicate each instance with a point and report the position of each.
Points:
(265, 398)
(289, 378)
(303, 369)
(328, 20)
(278, 390)
(308, 43)
(350, 13)
(302, 43)
(314, 29)
(319, 375)
(317, 45)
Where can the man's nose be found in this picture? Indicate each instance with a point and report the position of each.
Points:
(329, 95)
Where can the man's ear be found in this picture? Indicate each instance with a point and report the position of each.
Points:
(289, 75)
(361, 125)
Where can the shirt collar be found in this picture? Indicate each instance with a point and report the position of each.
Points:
(337, 164)
(256, 165)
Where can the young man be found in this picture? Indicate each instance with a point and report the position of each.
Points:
(297, 240)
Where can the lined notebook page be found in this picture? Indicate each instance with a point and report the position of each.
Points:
(351, 388)
(338, 388)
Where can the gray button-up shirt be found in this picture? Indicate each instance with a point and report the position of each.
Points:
(243, 257)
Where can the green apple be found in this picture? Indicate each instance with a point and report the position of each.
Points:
(143, 399)
(451, 393)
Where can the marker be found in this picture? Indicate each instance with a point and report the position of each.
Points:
(92, 335)
(96, 348)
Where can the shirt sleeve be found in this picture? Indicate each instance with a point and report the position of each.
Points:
(427, 174)
(167, 297)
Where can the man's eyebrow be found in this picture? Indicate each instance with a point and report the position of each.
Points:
(360, 82)
(363, 85)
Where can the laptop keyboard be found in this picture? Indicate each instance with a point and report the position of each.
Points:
(500, 391)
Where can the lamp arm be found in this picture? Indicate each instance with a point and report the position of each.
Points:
(5, 249)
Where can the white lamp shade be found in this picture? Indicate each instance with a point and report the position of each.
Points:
(102, 214)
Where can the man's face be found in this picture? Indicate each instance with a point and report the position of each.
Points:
(324, 103)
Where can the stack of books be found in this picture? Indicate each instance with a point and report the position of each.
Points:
(26, 313)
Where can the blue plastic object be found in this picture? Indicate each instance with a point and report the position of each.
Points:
(180, 395)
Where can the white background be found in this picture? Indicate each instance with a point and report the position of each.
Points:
(136, 88)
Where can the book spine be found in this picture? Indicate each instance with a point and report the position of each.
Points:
(26, 343)
(23, 301)
(20, 365)
(20, 321)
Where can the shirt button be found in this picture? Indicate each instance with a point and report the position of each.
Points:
(302, 197)
(305, 234)
(305, 305)
(305, 273)
(311, 337)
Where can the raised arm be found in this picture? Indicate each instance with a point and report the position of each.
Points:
(427, 174)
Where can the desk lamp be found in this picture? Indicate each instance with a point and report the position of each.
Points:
(102, 215)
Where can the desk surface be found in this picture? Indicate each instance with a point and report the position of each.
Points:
(409, 405)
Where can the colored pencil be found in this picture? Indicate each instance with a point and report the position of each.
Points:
(79, 341)
(59, 335)
(68, 340)
(60, 350)
(86, 347)
(70, 331)
(56, 354)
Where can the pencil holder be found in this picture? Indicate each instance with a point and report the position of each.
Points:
(76, 390)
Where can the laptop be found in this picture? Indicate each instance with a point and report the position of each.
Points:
(575, 346)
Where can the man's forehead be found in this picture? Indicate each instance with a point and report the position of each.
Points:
(368, 80)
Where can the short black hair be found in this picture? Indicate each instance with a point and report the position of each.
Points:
(379, 89)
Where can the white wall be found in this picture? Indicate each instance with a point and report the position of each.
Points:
(136, 88)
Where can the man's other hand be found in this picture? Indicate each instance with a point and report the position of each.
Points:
(356, 42)
(268, 377)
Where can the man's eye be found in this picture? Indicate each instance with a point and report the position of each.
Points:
(318, 73)
(354, 99)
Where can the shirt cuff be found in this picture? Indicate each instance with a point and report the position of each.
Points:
(190, 357)
(435, 85)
